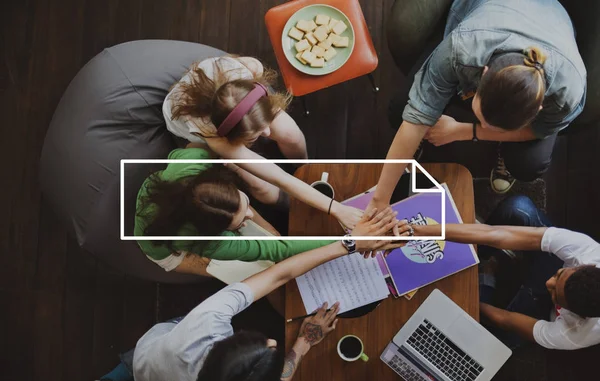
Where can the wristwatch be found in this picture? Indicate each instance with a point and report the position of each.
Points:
(475, 132)
(349, 244)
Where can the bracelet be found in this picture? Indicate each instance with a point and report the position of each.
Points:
(329, 210)
(411, 231)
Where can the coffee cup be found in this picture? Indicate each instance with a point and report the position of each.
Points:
(350, 348)
(323, 186)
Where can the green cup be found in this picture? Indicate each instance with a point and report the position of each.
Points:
(350, 348)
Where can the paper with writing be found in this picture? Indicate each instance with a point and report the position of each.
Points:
(352, 280)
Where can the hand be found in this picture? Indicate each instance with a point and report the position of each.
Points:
(374, 204)
(402, 229)
(315, 328)
(347, 215)
(376, 224)
(446, 130)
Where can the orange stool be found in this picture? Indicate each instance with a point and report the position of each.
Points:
(363, 60)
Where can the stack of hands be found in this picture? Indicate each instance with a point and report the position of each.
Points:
(384, 223)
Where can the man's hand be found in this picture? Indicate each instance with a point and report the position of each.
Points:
(315, 328)
(447, 130)
(508, 320)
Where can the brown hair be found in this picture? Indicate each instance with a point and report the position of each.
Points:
(207, 202)
(215, 98)
(513, 89)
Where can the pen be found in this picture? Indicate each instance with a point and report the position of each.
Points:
(303, 317)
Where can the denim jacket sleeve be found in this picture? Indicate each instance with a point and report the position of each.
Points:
(433, 87)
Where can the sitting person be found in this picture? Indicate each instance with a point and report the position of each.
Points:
(225, 104)
(558, 303)
(516, 62)
(202, 346)
(206, 200)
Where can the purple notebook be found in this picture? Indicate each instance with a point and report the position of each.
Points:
(420, 263)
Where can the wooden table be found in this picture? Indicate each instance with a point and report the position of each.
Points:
(377, 328)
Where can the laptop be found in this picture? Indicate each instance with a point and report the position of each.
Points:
(441, 342)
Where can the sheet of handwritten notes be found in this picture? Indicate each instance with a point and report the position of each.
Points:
(352, 280)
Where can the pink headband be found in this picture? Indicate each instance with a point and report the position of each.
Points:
(238, 112)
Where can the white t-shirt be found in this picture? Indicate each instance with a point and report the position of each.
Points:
(170, 351)
(569, 330)
(231, 68)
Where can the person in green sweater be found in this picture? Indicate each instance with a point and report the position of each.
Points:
(201, 199)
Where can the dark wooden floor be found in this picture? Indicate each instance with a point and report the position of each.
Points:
(65, 315)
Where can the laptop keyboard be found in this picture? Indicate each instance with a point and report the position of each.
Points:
(449, 359)
(404, 369)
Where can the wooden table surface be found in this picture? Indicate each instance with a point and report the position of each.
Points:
(377, 328)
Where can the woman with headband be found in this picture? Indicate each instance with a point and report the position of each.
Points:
(224, 105)
(518, 63)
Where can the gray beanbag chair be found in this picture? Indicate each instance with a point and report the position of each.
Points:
(112, 111)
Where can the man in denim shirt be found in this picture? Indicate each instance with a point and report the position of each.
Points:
(519, 62)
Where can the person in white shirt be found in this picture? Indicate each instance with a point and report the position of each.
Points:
(225, 104)
(558, 303)
(203, 346)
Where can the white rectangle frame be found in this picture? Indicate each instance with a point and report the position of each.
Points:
(414, 166)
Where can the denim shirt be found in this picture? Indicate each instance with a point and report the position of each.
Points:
(478, 29)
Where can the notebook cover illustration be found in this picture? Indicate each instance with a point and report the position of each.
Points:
(420, 263)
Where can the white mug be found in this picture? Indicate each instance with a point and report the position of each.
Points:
(323, 186)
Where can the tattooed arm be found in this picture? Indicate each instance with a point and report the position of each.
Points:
(292, 359)
(312, 332)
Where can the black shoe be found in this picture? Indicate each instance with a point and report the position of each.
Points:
(500, 179)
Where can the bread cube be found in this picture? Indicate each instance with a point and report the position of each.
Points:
(306, 26)
(299, 58)
(329, 54)
(331, 24)
(296, 34)
(343, 42)
(322, 19)
(327, 43)
(318, 51)
(321, 33)
(302, 45)
(319, 62)
(333, 38)
(339, 28)
(311, 38)
(308, 56)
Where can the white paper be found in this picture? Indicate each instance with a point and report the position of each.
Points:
(352, 280)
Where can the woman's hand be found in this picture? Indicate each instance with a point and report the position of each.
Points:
(404, 229)
(315, 328)
(447, 130)
(376, 224)
(346, 215)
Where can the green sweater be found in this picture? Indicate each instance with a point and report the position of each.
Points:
(247, 250)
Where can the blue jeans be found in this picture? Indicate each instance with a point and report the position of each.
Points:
(532, 298)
